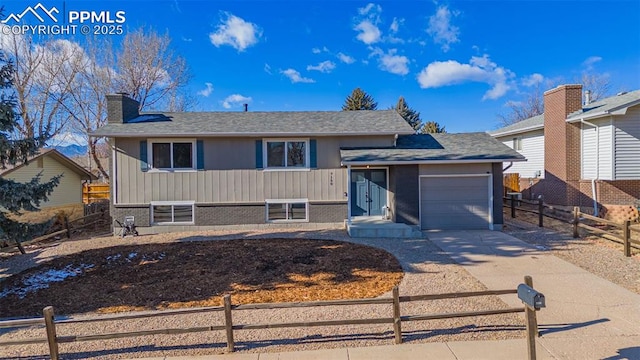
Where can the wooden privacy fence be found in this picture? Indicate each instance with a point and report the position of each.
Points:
(511, 182)
(95, 193)
(229, 327)
(580, 219)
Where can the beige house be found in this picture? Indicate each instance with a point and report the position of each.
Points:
(49, 163)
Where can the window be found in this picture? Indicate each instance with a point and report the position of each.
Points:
(517, 143)
(171, 213)
(172, 154)
(287, 210)
(287, 153)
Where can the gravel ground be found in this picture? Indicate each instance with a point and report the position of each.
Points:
(597, 255)
(427, 270)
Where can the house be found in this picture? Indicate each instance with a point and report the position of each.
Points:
(580, 153)
(196, 170)
(49, 163)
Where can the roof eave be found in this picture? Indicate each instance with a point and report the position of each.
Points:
(448, 161)
(618, 110)
(518, 131)
(250, 134)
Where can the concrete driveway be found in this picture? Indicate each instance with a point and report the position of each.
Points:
(586, 317)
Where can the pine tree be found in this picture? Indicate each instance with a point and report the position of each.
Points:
(408, 114)
(432, 127)
(359, 100)
(14, 196)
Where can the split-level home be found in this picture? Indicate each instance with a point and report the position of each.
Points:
(580, 152)
(201, 170)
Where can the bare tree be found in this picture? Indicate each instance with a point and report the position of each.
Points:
(598, 84)
(532, 105)
(150, 72)
(145, 67)
(43, 79)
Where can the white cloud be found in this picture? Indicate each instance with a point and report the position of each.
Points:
(235, 32)
(533, 80)
(395, 25)
(325, 67)
(235, 99)
(370, 9)
(295, 76)
(346, 58)
(316, 50)
(441, 29)
(590, 62)
(186, 39)
(369, 33)
(479, 69)
(395, 64)
(367, 26)
(206, 91)
(267, 68)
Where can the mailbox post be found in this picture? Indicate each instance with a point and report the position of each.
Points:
(533, 300)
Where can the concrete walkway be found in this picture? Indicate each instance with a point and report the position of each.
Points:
(586, 316)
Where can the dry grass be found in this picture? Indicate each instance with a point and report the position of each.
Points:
(74, 211)
(191, 274)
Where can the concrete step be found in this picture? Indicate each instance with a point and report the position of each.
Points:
(385, 230)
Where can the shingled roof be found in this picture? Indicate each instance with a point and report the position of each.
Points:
(434, 148)
(293, 123)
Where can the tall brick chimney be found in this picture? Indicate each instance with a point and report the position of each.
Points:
(121, 108)
(562, 145)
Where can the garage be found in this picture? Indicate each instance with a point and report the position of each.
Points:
(455, 202)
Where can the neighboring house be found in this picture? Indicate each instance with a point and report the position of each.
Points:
(195, 170)
(579, 153)
(49, 163)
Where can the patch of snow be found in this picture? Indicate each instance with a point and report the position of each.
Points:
(132, 255)
(42, 280)
(112, 258)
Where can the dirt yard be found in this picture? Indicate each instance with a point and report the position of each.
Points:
(174, 275)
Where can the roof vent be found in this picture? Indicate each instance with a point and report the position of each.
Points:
(587, 97)
(621, 93)
(246, 107)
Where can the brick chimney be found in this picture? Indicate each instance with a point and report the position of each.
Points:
(121, 108)
(562, 145)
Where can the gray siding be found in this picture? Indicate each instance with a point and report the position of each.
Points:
(627, 145)
(404, 183)
(447, 169)
(222, 186)
(329, 147)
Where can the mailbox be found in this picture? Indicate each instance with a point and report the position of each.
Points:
(530, 296)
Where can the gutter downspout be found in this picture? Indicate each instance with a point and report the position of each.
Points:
(508, 166)
(593, 181)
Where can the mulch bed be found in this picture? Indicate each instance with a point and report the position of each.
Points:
(192, 274)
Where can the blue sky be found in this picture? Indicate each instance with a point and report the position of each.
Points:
(457, 62)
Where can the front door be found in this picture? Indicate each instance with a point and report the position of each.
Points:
(369, 192)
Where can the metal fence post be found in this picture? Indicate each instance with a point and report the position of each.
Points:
(576, 220)
(540, 211)
(50, 325)
(627, 238)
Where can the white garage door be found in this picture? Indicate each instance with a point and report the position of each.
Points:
(457, 202)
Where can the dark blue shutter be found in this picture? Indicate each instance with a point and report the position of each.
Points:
(259, 154)
(199, 155)
(144, 164)
(313, 161)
